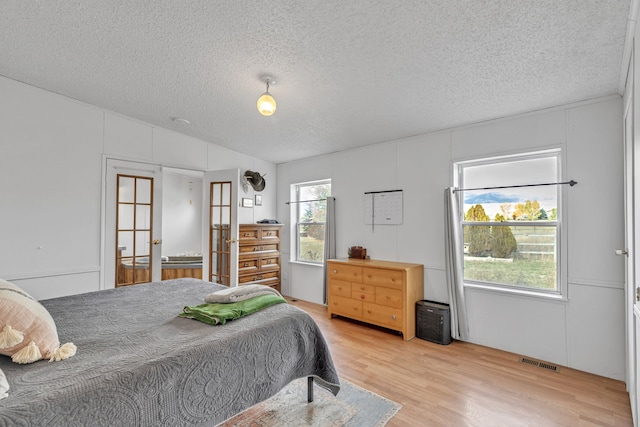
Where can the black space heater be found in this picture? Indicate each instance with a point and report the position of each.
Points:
(433, 322)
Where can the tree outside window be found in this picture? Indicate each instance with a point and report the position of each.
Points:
(311, 209)
(511, 235)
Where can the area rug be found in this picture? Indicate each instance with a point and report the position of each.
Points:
(354, 406)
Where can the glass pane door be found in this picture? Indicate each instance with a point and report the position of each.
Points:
(220, 233)
(134, 228)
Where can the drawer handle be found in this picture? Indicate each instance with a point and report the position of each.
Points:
(361, 296)
(335, 271)
(247, 264)
(369, 311)
(269, 233)
(393, 316)
(247, 234)
(362, 288)
(259, 277)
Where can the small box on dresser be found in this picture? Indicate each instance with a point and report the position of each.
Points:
(259, 254)
(382, 293)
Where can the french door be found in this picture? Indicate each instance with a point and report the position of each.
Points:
(133, 223)
(221, 204)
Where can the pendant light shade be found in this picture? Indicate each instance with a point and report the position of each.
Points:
(266, 104)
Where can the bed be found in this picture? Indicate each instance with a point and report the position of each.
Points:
(139, 364)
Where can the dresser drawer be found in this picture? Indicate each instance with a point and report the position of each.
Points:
(269, 263)
(346, 306)
(389, 297)
(387, 316)
(363, 296)
(388, 278)
(347, 273)
(340, 288)
(247, 265)
(249, 234)
(270, 234)
(257, 277)
(258, 247)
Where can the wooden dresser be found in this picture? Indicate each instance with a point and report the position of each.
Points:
(259, 254)
(382, 293)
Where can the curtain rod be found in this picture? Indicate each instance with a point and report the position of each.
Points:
(386, 191)
(304, 201)
(571, 183)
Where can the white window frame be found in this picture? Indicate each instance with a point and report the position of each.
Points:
(561, 239)
(295, 216)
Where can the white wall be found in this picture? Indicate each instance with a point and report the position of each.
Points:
(51, 155)
(587, 331)
(181, 214)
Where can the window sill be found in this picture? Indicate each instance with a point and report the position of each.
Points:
(310, 264)
(518, 292)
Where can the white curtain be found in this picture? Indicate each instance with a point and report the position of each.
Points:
(329, 241)
(454, 265)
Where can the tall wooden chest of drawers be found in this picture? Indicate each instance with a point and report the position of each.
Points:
(382, 293)
(259, 254)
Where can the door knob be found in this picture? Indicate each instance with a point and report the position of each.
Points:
(157, 241)
(232, 240)
(622, 252)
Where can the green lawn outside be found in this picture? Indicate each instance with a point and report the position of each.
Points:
(311, 249)
(531, 273)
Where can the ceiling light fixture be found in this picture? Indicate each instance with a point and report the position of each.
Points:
(266, 104)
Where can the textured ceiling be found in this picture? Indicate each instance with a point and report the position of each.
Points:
(349, 73)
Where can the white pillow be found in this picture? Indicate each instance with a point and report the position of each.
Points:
(4, 385)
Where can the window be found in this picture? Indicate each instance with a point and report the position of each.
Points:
(511, 235)
(310, 209)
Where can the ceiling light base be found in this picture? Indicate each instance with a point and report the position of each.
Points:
(268, 79)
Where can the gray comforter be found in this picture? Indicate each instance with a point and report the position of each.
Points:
(138, 364)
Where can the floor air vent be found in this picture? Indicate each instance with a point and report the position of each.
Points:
(542, 365)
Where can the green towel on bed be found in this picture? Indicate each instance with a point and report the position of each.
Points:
(218, 314)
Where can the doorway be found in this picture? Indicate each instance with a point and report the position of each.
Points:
(182, 223)
(160, 228)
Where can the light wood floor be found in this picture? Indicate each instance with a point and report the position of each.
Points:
(464, 384)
